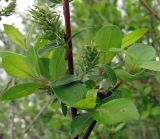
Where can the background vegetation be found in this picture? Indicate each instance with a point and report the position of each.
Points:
(16, 116)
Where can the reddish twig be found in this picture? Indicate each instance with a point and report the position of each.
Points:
(69, 52)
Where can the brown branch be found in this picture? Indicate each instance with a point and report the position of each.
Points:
(102, 96)
(150, 9)
(69, 52)
(89, 130)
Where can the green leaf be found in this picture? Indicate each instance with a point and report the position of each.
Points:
(58, 64)
(116, 111)
(155, 111)
(44, 67)
(6, 53)
(29, 36)
(124, 75)
(133, 37)
(66, 80)
(151, 65)
(20, 90)
(41, 42)
(32, 60)
(14, 35)
(89, 102)
(138, 54)
(109, 73)
(70, 94)
(64, 109)
(16, 66)
(80, 123)
(46, 48)
(108, 37)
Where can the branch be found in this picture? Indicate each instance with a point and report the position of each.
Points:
(102, 96)
(69, 52)
(36, 117)
(150, 9)
(11, 116)
(89, 130)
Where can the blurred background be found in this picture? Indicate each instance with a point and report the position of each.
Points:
(17, 116)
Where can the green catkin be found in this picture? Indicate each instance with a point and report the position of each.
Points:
(90, 58)
(7, 11)
(49, 23)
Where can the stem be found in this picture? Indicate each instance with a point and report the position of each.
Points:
(150, 9)
(69, 52)
(89, 130)
(36, 117)
(12, 115)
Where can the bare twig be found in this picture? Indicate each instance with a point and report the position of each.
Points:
(150, 9)
(11, 129)
(36, 117)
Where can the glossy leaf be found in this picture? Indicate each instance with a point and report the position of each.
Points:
(14, 35)
(133, 37)
(80, 123)
(108, 37)
(70, 94)
(16, 66)
(116, 111)
(58, 64)
(20, 90)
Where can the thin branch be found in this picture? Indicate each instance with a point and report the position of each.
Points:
(150, 9)
(69, 52)
(36, 117)
(102, 96)
(12, 82)
(12, 116)
(117, 85)
(89, 130)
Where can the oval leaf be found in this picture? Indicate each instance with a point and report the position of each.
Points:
(108, 37)
(116, 111)
(14, 35)
(16, 66)
(70, 94)
(138, 54)
(58, 64)
(133, 37)
(20, 90)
